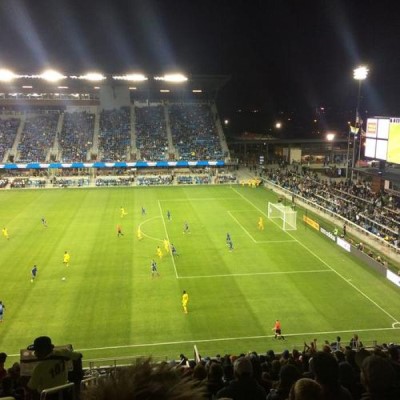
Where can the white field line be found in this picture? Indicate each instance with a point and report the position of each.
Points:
(254, 274)
(148, 236)
(200, 199)
(246, 231)
(325, 263)
(166, 233)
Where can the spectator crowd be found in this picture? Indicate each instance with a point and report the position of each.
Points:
(334, 370)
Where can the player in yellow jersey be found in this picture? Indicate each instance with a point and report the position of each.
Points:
(166, 245)
(261, 224)
(185, 301)
(66, 258)
(4, 232)
(123, 212)
(159, 252)
(139, 233)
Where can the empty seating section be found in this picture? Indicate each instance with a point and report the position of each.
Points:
(8, 132)
(76, 136)
(194, 132)
(37, 137)
(151, 133)
(115, 134)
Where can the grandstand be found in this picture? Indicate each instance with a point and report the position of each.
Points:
(111, 120)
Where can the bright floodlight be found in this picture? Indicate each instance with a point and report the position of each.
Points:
(278, 125)
(6, 75)
(131, 77)
(360, 73)
(52, 76)
(175, 78)
(330, 136)
(93, 76)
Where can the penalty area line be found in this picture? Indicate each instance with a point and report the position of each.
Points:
(254, 274)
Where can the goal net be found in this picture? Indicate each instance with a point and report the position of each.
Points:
(284, 213)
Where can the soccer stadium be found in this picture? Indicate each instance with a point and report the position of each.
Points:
(120, 194)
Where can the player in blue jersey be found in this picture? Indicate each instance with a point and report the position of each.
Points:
(154, 270)
(33, 273)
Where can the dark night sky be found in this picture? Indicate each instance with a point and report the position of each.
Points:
(282, 54)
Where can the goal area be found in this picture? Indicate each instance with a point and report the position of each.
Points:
(286, 215)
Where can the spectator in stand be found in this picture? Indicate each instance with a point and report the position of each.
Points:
(375, 212)
(379, 378)
(214, 378)
(306, 389)
(151, 133)
(355, 342)
(115, 134)
(50, 360)
(76, 136)
(287, 377)
(8, 133)
(325, 370)
(244, 386)
(37, 137)
(194, 132)
(146, 380)
(3, 371)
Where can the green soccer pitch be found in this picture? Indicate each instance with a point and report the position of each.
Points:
(109, 306)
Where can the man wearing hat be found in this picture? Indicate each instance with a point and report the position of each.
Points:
(52, 370)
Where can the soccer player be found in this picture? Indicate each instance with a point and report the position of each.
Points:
(4, 231)
(33, 273)
(186, 227)
(228, 238)
(119, 230)
(123, 212)
(139, 233)
(2, 309)
(173, 250)
(159, 252)
(154, 270)
(185, 301)
(278, 330)
(261, 224)
(166, 245)
(44, 222)
(143, 211)
(168, 215)
(66, 258)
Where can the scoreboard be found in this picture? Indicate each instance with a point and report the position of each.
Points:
(382, 139)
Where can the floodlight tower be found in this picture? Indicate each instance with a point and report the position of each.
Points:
(360, 73)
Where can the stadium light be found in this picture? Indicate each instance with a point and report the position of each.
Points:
(360, 73)
(278, 125)
(330, 137)
(197, 91)
(164, 90)
(90, 76)
(174, 78)
(131, 77)
(6, 75)
(51, 75)
(62, 87)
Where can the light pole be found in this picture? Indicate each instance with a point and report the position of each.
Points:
(360, 73)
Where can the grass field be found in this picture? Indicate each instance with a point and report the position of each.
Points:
(109, 305)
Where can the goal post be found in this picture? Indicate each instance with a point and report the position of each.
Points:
(286, 215)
